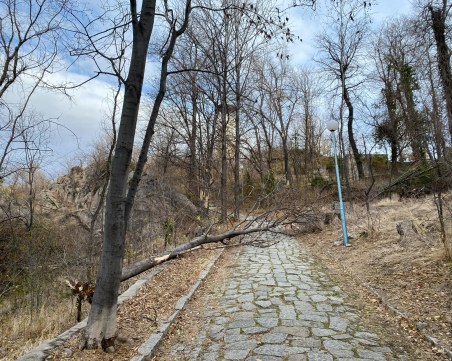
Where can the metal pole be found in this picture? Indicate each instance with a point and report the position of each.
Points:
(341, 203)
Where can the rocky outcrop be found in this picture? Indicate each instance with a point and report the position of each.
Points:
(75, 196)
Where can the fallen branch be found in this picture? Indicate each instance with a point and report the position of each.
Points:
(146, 264)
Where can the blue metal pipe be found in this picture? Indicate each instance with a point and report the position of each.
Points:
(339, 191)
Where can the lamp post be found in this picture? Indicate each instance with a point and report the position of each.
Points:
(332, 126)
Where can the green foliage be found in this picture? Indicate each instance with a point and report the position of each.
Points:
(248, 184)
(379, 162)
(169, 228)
(269, 182)
(408, 76)
(317, 180)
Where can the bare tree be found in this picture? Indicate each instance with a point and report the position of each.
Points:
(439, 13)
(341, 49)
(30, 36)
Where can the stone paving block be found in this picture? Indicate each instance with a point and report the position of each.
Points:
(335, 344)
(241, 345)
(319, 356)
(275, 338)
(367, 336)
(220, 320)
(362, 341)
(235, 338)
(264, 304)
(294, 331)
(241, 323)
(232, 309)
(248, 306)
(264, 358)
(287, 312)
(242, 315)
(236, 354)
(254, 330)
(297, 358)
(318, 298)
(338, 323)
(342, 336)
(279, 350)
(324, 307)
(309, 342)
(377, 356)
(321, 332)
(267, 322)
(248, 297)
(317, 316)
(211, 356)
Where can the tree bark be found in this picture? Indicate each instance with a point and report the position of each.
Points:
(101, 328)
(351, 137)
(438, 17)
(238, 98)
(193, 166)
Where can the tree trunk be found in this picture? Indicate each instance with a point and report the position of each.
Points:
(224, 160)
(287, 170)
(443, 53)
(193, 166)
(101, 328)
(224, 121)
(438, 134)
(351, 137)
(237, 198)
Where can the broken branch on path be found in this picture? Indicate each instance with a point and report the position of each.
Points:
(267, 221)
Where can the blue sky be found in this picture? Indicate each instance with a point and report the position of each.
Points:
(87, 110)
(306, 25)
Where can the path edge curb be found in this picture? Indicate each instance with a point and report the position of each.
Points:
(147, 349)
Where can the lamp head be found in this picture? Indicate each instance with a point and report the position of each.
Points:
(332, 125)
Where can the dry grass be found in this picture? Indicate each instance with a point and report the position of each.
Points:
(26, 330)
(411, 273)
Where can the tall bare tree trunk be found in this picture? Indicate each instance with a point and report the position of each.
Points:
(224, 121)
(224, 159)
(193, 183)
(438, 134)
(101, 328)
(238, 99)
(351, 137)
(438, 17)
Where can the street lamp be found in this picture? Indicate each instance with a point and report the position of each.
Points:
(332, 126)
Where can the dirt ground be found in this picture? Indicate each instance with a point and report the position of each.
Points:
(409, 273)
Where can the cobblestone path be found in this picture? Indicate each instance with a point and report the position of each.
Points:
(277, 305)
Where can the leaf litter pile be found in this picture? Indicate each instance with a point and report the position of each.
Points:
(383, 269)
(139, 317)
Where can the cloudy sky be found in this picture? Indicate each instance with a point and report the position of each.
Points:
(87, 110)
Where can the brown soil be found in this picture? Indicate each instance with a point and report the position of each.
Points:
(139, 316)
(412, 274)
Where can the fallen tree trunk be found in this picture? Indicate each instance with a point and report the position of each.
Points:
(146, 264)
